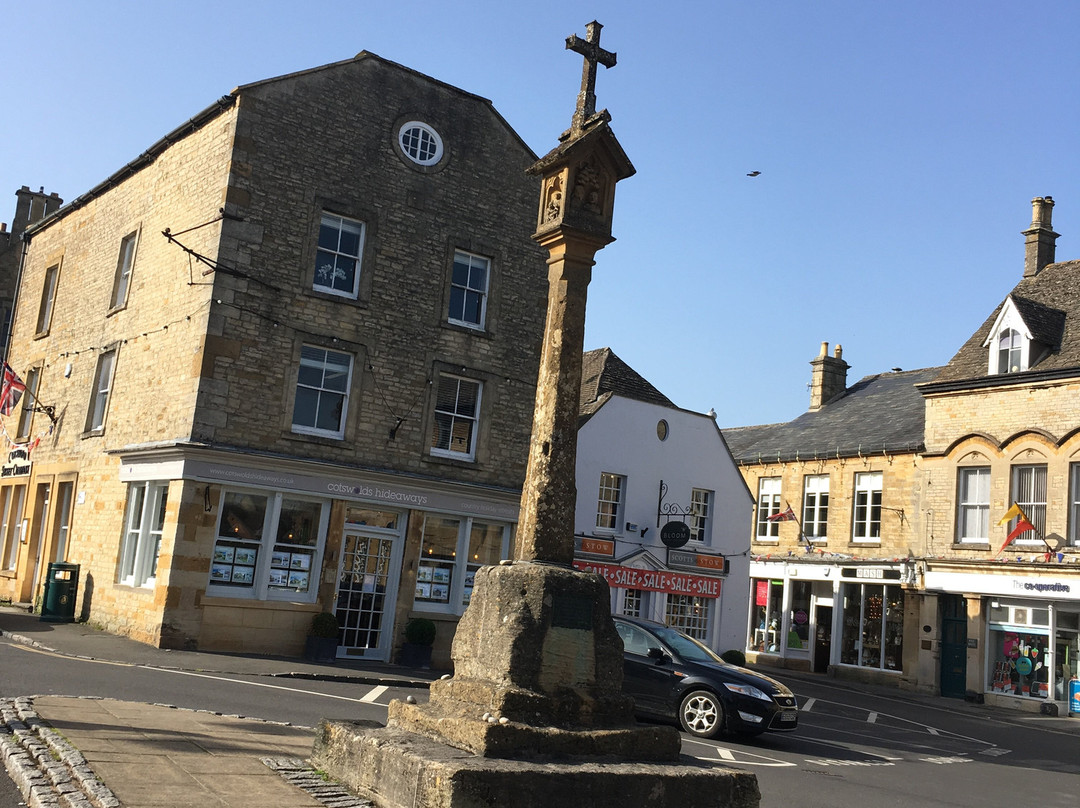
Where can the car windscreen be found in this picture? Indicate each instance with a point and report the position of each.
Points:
(686, 647)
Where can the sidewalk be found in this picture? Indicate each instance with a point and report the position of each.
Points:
(101, 753)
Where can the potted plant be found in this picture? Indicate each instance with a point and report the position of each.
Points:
(322, 639)
(419, 637)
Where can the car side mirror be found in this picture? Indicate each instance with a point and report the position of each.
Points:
(658, 654)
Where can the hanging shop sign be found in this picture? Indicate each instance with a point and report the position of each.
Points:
(698, 562)
(18, 463)
(675, 534)
(675, 583)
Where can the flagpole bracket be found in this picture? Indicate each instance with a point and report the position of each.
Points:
(48, 409)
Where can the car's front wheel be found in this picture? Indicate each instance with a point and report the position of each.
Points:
(702, 714)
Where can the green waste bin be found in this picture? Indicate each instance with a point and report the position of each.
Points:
(61, 586)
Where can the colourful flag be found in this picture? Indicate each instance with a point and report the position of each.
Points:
(1023, 526)
(1012, 513)
(11, 390)
(784, 516)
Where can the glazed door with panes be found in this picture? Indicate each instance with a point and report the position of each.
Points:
(367, 591)
(953, 646)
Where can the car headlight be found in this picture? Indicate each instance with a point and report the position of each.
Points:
(748, 690)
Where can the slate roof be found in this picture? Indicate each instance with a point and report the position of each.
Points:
(1049, 303)
(604, 375)
(880, 413)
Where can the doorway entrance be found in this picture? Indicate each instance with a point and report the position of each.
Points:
(822, 638)
(953, 646)
(367, 592)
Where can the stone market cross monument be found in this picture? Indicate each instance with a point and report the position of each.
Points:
(534, 714)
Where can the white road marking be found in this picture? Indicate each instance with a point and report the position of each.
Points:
(809, 703)
(871, 718)
(738, 757)
(374, 693)
(365, 699)
(255, 684)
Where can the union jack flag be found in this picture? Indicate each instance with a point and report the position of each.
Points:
(11, 390)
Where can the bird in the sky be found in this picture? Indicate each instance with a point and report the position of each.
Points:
(753, 173)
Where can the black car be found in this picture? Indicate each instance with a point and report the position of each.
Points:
(673, 676)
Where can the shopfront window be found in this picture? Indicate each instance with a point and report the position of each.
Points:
(1066, 652)
(689, 614)
(798, 636)
(1019, 646)
(485, 549)
(268, 546)
(873, 626)
(767, 615)
(452, 549)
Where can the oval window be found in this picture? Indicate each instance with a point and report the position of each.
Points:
(420, 143)
(661, 429)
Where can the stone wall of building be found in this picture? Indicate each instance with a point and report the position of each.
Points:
(157, 334)
(901, 517)
(998, 429)
(326, 140)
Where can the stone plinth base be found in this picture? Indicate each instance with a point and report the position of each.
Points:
(475, 735)
(399, 769)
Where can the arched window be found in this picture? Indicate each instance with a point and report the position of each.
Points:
(1009, 351)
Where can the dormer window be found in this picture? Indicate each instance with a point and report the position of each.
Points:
(1009, 342)
(1010, 345)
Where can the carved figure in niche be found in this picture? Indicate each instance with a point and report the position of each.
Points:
(588, 185)
(553, 200)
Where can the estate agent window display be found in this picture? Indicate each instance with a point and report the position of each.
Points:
(269, 546)
(452, 549)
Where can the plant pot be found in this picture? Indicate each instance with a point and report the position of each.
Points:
(321, 649)
(415, 656)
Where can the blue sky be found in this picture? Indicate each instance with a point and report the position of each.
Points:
(900, 145)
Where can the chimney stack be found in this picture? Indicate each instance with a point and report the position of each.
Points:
(32, 207)
(1040, 239)
(828, 378)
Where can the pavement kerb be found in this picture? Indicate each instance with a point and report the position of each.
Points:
(362, 678)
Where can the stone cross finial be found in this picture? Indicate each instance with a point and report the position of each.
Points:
(593, 53)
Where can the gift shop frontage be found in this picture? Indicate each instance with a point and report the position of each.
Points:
(840, 617)
(1010, 636)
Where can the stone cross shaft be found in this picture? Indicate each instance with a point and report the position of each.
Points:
(546, 529)
(593, 53)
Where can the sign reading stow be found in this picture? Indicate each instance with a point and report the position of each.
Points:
(675, 583)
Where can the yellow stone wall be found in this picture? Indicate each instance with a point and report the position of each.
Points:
(901, 517)
(158, 335)
(1035, 424)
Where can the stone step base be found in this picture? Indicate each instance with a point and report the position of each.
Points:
(399, 769)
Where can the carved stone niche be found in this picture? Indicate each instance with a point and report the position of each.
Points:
(578, 183)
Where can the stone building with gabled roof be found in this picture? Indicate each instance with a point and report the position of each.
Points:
(291, 371)
(661, 508)
(886, 517)
(837, 518)
(1003, 429)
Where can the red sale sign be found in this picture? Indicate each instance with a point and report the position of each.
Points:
(676, 583)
